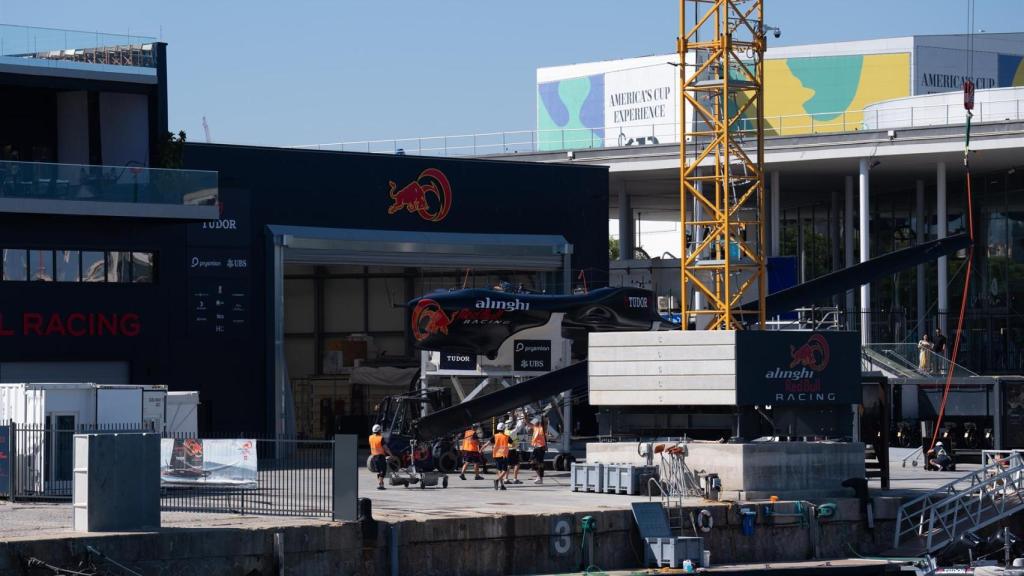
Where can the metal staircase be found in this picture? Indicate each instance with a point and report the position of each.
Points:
(939, 518)
(902, 360)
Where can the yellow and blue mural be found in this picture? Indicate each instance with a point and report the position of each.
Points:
(570, 113)
(1011, 70)
(827, 93)
(802, 95)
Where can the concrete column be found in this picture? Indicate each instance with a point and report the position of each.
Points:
(865, 250)
(848, 240)
(833, 230)
(942, 223)
(919, 225)
(774, 227)
(800, 253)
(625, 224)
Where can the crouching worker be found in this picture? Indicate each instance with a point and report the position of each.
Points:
(939, 459)
(378, 455)
(471, 454)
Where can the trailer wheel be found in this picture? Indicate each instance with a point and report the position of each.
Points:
(448, 462)
(569, 461)
(559, 463)
(369, 464)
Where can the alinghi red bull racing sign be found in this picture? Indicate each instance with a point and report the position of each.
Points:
(791, 367)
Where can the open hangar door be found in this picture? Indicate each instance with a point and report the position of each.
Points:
(341, 337)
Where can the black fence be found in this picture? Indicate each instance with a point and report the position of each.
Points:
(279, 477)
(40, 458)
(290, 478)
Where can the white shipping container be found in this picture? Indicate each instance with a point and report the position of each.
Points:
(43, 459)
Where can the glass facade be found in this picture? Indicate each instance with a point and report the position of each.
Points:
(993, 336)
(21, 265)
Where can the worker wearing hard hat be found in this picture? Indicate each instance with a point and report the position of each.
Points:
(500, 453)
(514, 430)
(471, 454)
(378, 455)
(539, 443)
(939, 458)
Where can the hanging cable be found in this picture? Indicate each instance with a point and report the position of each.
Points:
(968, 106)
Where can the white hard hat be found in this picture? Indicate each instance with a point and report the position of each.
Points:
(376, 428)
(938, 443)
(501, 425)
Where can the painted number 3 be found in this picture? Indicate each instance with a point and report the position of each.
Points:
(562, 539)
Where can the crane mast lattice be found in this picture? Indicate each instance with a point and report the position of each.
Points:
(721, 159)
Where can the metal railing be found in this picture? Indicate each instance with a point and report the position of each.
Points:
(294, 478)
(91, 183)
(985, 496)
(808, 318)
(77, 46)
(40, 458)
(560, 139)
(920, 363)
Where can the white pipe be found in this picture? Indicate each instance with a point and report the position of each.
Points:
(865, 249)
(919, 224)
(848, 239)
(774, 220)
(942, 224)
(625, 224)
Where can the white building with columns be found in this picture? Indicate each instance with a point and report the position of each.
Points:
(839, 197)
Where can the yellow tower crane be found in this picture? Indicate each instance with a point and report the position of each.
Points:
(721, 163)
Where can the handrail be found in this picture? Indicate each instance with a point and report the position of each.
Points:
(908, 353)
(988, 490)
(560, 139)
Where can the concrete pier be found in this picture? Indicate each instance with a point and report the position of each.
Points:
(468, 529)
(759, 470)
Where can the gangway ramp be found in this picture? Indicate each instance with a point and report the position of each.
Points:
(929, 523)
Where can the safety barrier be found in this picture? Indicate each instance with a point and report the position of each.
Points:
(289, 478)
(978, 499)
(553, 140)
(280, 477)
(40, 458)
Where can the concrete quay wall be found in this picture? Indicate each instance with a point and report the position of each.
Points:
(472, 546)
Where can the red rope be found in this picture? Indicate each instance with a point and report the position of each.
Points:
(963, 311)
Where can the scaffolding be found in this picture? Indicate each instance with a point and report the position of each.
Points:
(722, 200)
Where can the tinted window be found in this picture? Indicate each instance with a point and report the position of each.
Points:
(68, 269)
(40, 265)
(94, 267)
(15, 265)
(119, 267)
(142, 267)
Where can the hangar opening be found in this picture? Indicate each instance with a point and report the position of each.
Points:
(341, 331)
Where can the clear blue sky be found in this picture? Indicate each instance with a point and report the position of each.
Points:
(304, 71)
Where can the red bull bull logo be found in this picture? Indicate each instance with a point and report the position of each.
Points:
(429, 195)
(813, 355)
(428, 318)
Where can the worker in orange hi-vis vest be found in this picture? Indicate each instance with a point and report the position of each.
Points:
(500, 453)
(471, 454)
(539, 442)
(378, 455)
